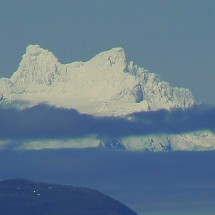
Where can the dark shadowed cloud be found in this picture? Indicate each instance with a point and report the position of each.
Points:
(43, 121)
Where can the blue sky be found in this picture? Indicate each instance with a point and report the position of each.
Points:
(173, 38)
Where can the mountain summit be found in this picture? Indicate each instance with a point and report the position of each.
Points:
(108, 84)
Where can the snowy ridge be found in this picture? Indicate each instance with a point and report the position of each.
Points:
(106, 85)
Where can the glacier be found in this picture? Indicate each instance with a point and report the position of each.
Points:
(106, 85)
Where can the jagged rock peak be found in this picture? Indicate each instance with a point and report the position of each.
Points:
(36, 55)
(38, 66)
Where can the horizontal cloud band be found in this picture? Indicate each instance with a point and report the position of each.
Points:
(43, 121)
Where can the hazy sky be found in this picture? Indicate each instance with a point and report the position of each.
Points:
(174, 38)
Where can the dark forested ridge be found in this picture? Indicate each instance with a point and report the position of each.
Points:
(18, 197)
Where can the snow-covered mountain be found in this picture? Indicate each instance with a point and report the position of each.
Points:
(105, 85)
(108, 84)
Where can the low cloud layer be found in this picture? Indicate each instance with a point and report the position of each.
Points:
(43, 121)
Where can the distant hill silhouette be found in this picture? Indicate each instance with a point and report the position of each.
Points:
(24, 197)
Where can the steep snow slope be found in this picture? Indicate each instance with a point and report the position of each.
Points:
(105, 85)
(108, 84)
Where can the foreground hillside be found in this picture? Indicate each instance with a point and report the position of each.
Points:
(18, 197)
